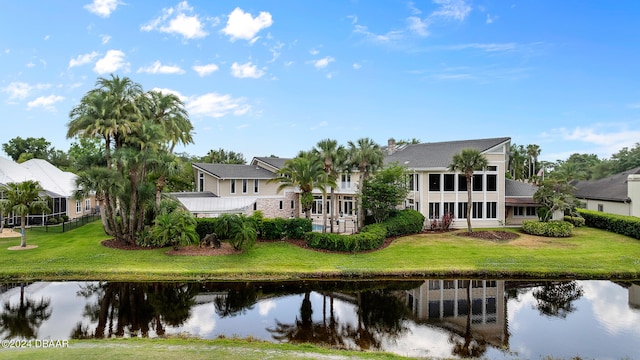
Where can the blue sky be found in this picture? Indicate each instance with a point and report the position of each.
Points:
(275, 77)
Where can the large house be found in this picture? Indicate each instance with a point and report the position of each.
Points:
(434, 190)
(616, 194)
(58, 185)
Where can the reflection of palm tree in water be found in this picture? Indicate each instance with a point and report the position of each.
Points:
(555, 299)
(23, 320)
(468, 347)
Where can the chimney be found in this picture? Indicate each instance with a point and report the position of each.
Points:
(391, 146)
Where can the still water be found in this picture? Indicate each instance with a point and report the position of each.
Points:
(494, 319)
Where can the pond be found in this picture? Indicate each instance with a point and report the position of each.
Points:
(495, 319)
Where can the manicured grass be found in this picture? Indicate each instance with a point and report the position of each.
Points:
(78, 255)
(158, 349)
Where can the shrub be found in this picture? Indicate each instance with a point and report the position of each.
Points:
(205, 226)
(576, 221)
(177, 228)
(370, 237)
(52, 221)
(295, 228)
(65, 218)
(273, 229)
(620, 224)
(548, 229)
(404, 222)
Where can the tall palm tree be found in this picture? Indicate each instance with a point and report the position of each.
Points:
(100, 182)
(517, 160)
(23, 198)
(169, 111)
(366, 156)
(468, 161)
(305, 173)
(333, 156)
(533, 151)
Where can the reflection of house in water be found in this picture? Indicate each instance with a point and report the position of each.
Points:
(634, 296)
(443, 303)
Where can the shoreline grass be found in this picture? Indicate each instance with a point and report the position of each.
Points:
(78, 255)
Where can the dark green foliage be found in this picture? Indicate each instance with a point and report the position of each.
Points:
(548, 228)
(273, 229)
(205, 226)
(576, 221)
(297, 227)
(372, 236)
(404, 222)
(619, 224)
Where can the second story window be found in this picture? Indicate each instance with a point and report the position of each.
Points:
(345, 181)
(255, 185)
(233, 186)
(245, 186)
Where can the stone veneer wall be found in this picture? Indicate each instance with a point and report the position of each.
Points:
(270, 206)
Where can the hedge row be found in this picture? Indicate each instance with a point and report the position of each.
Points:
(619, 224)
(268, 229)
(549, 229)
(279, 228)
(371, 236)
(576, 221)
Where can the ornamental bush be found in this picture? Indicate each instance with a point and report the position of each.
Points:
(619, 224)
(370, 237)
(576, 221)
(548, 229)
(404, 222)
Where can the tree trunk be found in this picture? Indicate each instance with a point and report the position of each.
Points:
(324, 212)
(333, 207)
(469, 203)
(23, 236)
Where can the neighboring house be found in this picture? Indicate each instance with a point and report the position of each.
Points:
(616, 194)
(58, 186)
(434, 190)
(519, 203)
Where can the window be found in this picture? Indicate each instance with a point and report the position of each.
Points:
(78, 206)
(600, 207)
(462, 183)
(449, 182)
(492, 182)
(492, 168)
(87, 204)
(518, 211)
(316, 207)
(414, 182)
(256, 182)
(281, 205)
(434, 182)
(434, 210)
(293, 204)
(233, 186)
(524, 211)
(200, 182)
(462, 210)
(449, 207)
(476, 210)
(531, 211)
(477, 182)
(245, 186)
(492, 210)
(346, 181)
(347, 206)
(255, 206)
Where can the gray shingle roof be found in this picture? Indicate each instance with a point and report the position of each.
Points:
(513, 188)
(612, 188)
(276, 162)
(438, 154)
(234, 171)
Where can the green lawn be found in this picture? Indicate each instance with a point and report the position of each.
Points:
(78, 255)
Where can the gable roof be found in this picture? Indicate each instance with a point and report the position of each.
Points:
(518, 193)
(275, 163)
(439, 154)
(234, 171)
(612, 188)
(55, 182)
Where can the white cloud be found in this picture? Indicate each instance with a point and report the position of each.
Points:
(357, 66)
(323, 63)
(30, 64)
(603, 139)
(314, 52)
(111, 62)
(171, 92)
(83, 59)
(158, 68)
(102, 8)
(216, 105)
(105, 39)
(204, 70)
(491, 19)
(176, 21)
(319, 125)
(46, 37)
(246, 71)
(45, 102)
(486, 47)
(452, 9)
(241, 25)
(378, 38)
(21, 90)
(418, 26)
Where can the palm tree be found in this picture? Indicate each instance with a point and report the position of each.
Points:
(24, 198)
(533, 151)
(100, 182)
(333, 157)
(366, 156)
(168, 110)
(305, 173)
(468, 161)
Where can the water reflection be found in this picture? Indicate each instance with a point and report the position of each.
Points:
(437, 318)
